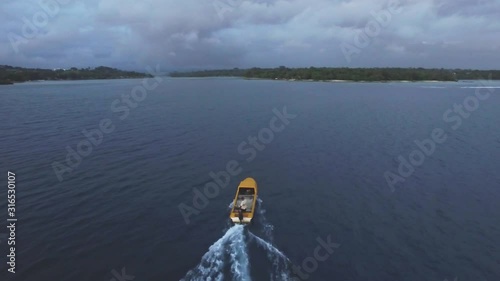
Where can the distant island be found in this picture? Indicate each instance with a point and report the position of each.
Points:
(12, 74)
(347, 74)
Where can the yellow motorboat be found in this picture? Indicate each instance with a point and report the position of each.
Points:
(244, 202)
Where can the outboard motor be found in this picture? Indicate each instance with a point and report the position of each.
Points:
(240, 215)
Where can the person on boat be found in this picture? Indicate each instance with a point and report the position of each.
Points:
(243, 205)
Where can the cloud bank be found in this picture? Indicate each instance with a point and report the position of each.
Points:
(192, 34)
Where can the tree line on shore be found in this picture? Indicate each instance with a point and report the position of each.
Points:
(11, 74)
(351, 74)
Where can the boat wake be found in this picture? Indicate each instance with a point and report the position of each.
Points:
(266, 227)
(280, 262)
(213, 262)
(228, 258)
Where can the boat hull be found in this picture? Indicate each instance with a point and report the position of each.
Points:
(245, 202)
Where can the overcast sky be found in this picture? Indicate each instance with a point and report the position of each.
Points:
(186, 34)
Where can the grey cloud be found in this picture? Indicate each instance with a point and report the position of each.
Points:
(190, 34)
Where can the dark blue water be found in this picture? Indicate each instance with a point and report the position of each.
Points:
(321, 176)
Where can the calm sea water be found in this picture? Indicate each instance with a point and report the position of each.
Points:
(321, 176)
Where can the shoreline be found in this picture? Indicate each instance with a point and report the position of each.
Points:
(8, 83)
(10, 75)
(336, 81)
(353, 81)
(346, 74)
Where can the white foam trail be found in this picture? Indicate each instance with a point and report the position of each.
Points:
(269, 247)
(229, 224)
(239, 257)
(267, 227)
(231, 251)
(278, 259)
(212, 263)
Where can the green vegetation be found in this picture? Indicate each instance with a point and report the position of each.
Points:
(11, 74)
(351, 74)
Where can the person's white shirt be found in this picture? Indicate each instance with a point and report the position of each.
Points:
(243, 204)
